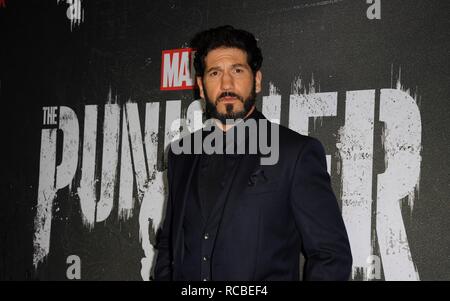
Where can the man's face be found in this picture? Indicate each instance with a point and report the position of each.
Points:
(228, 85)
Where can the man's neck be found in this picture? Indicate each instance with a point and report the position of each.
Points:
(226, 127)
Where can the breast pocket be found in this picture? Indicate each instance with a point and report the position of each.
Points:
(261, 188)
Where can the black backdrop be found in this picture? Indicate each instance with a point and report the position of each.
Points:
(116, 50)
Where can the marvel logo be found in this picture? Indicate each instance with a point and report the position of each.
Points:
(177, 70)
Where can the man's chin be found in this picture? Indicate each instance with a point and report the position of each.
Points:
(231, 113)
(228, 111)
(230, 117)
(228, 108)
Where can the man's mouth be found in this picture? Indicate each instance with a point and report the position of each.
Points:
(228, 99)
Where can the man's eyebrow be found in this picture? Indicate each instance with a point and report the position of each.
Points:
(241, 65)
(215, 68)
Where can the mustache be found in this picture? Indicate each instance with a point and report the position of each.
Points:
(229, 94)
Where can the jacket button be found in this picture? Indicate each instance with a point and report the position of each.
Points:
(206, 236)
(205, 258)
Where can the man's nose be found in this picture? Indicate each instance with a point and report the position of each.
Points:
(226, 82)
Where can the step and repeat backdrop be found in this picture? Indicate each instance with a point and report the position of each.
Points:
(92, 93)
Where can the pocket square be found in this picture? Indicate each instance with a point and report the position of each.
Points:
(257, 177)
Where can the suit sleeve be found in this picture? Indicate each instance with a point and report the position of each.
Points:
(325, 243)
(163, 266)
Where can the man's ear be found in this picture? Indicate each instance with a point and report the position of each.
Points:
(258, 79)
(200, 86)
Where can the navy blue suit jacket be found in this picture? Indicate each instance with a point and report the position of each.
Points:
(265, 224)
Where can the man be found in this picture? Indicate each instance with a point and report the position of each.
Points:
(229, 217)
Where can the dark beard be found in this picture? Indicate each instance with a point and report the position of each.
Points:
(211, 109)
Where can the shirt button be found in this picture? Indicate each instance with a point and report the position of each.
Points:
(205, 279)
(206, 236)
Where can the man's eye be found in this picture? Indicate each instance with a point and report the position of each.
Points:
(238, 70)
(213, 73)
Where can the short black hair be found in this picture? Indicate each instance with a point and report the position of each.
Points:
(229, 37)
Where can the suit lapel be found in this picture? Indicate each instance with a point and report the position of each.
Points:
(246, 166)
(200, 195)
(184, 184)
